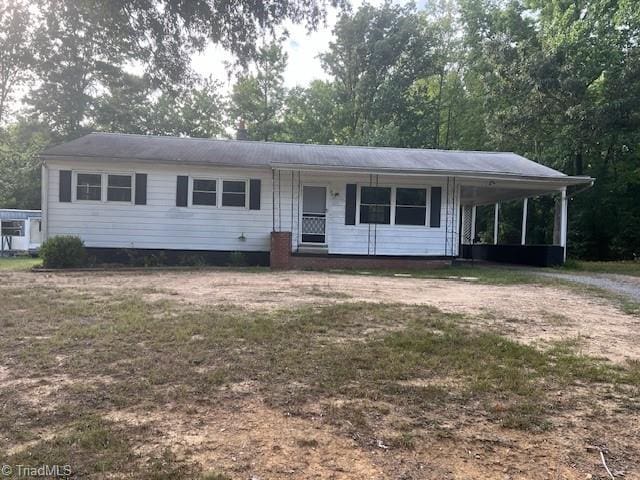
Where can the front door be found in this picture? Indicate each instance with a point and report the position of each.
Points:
(314, 214)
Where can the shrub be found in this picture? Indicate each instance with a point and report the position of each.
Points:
(237, 259)
(63, 252)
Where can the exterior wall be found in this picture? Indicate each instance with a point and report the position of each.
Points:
(365, 239)
(159, 224)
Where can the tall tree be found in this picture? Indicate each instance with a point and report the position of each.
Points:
(258, 97)
(16, 59)
(309, 115)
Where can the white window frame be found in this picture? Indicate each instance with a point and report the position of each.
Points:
(392, 215)
(203, 177)
(103, 187)
(246, 193)
(74, 186)
(133, 186)
(427, 198)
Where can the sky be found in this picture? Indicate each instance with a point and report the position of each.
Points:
(302, 48)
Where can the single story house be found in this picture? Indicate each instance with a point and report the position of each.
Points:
(20, 231)
(292, 205)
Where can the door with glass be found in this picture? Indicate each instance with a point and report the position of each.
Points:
(314, 214)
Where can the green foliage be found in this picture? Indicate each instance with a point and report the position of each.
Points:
(63, 252)
(258, 98)
(20, 145)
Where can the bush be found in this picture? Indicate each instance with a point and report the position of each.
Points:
(63, 252)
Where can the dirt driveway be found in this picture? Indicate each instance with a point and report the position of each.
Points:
(534, 314)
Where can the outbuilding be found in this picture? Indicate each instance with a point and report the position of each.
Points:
(291, 205)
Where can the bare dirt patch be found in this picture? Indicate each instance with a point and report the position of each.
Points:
(528, 313)
(250, 440)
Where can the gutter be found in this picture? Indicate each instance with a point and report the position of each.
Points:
(559, 180)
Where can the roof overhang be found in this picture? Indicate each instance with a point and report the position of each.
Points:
(559, 181)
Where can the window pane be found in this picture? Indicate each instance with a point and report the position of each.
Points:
(89, 186)
(204, 198)
(411, 215)
(204, 185)
(411, 196)
(233, 199)
(233, 186)
(89, 179)
(120, 181)
(375, 214)
(13, 228)
(375, 195)
(118, 194)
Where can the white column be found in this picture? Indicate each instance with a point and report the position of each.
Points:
(563, 221)
(473, 224)
(496, 210)
(525, 206)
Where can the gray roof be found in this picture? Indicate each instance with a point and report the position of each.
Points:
(11, 214)
(304, 156)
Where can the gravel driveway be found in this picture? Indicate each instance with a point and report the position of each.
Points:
(625, 285)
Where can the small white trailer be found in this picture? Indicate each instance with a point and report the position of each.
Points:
(20, 231)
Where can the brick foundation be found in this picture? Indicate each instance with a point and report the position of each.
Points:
(320, 262)
(280, 257)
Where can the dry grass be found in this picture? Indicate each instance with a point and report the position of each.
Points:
(117, 386)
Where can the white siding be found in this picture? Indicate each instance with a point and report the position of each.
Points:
(363, 239)
(159, 223)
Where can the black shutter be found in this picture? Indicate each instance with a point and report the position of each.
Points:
(141, 188)
(182, 191)
(350, 208)
(65, 186)
(254, 194)
(436, 204)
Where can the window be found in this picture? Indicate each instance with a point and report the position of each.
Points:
(89, 186)
(234, 193)
(204, 192)
(13, 228)
(411, 206)
(375, 205)
(118, 188)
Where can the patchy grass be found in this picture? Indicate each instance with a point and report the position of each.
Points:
(486, 274)
(18, 263)
(628, 267)
(123, 353)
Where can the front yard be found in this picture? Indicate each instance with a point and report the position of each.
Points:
(228, 374)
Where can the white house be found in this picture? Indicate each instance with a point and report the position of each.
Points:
(20, 231)
(342, 203)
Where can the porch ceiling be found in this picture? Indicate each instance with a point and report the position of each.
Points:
(479, 195)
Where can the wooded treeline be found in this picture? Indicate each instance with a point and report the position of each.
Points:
(554, 80)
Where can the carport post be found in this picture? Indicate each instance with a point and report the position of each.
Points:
(525, 206)
(563, 221)
(473, 224)
(495, 223)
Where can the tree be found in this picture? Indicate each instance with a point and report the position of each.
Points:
(258, 98)
(16, 60)
(309, 115)
(20, 145)
(197, 111)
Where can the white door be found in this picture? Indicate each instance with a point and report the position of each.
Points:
(35, 232)
(314, 214)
